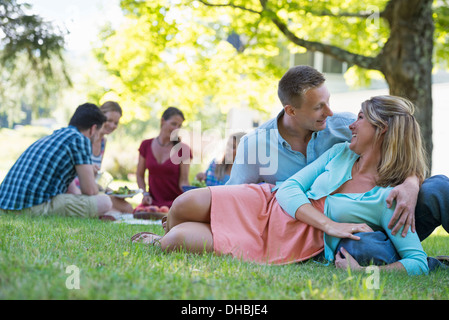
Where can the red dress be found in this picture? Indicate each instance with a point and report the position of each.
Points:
(163, 178)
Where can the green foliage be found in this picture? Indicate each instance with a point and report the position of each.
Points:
(175, 52)
(31, 53)
(170, 53)
(199, 184)
(441, 18)
(14, 142)
(30, 34)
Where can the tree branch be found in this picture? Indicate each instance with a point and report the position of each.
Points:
(229, 5)
(361, 15)
(336, 52)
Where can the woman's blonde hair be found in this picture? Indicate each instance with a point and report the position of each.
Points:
(403, 153)
(228, 159)
(109, 106)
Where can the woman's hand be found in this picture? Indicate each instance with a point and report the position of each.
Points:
(346, 230)
(147, 200)
(310, 215)
(346, 260)
(200, 176)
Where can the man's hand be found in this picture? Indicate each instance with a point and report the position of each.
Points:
(406, 196)
(343, 260)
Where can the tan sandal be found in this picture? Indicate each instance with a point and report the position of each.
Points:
(164, 224)
(146, 238)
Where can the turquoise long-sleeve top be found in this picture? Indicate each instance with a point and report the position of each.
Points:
(325, 175)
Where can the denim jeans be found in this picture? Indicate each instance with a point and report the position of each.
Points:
(375, 248)
(372, 248)
(432, 208)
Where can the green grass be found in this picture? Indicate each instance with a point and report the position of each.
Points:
(36, 251)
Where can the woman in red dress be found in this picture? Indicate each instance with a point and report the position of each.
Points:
(167, 162)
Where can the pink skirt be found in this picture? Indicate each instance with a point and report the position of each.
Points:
(248, 223)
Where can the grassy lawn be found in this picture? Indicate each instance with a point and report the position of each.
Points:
(40, 257)
(35, 253)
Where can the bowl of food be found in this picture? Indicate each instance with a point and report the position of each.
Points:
(187, 188)
(124, 192)
(151, 212)
(195, 185)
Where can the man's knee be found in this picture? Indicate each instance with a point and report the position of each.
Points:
(432, 208)
(104, 204)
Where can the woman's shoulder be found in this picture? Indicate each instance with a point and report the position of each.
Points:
(146, 142)
(145, 146)
(341, 149)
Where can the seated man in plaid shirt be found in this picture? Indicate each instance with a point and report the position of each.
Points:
(37, 183)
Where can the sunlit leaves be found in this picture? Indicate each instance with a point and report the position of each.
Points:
(441, 18)
(169, 53)
(175, 52)
(31, 53)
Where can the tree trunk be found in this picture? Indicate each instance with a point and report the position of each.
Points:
(407, 58)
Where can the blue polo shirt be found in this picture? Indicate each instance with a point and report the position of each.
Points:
(264, 156)
(45, 169)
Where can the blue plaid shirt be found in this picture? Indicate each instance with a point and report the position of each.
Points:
(45, 169)
(211, 178)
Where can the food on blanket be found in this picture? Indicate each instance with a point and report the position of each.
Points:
(107, 218)
(198, 184)
(153, 209)
(123, 191)
(148, 215)
(164, 209)
(151, 212)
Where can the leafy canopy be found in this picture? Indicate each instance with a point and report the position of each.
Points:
(178, 52)
(31, 53)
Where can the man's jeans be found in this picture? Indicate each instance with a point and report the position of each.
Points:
(432, 209)
(372, 248)
(375, 248)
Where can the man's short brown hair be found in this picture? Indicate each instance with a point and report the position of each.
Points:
(296, 81)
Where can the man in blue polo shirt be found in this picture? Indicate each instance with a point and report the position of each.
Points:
(37, 183)
(304, 130)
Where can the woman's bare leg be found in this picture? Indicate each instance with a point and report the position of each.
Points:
(191, 206)
(188, 223)
(195, 237)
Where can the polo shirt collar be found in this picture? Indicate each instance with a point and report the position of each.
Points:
(281, 140)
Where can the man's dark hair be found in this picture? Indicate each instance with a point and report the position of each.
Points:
(295, 83)
(87, 115)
